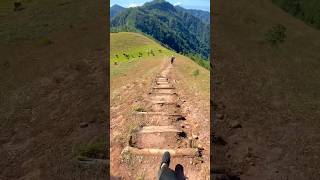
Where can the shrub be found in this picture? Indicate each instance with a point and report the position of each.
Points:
(138, 109)
(88, 151)
(200, 60)
(151, 52)
(44, 41)
(276, 35)
(196, 72)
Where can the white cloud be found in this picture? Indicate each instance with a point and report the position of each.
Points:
(177, 3)
(134, 5)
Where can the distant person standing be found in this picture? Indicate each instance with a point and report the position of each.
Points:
(172, 59)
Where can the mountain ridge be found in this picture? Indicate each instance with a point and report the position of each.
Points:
(180, 30)
(115, 10)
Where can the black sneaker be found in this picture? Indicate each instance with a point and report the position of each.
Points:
(165, 159)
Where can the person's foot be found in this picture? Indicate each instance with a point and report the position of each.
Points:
(165, 159)
(179, 172)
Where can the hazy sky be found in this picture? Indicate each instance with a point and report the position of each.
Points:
(188, 4)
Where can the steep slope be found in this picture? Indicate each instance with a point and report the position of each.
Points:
(202, 15)
(115, 10)
(52, 62)
(272, 92)
(306, 10)
(136, 81)
(128, 51)
(179, 30)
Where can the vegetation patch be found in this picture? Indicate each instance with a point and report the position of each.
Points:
(127, 158)
(306, 10)
(138, 109)
(200, 60)
(195, 73)
(276, 35)
(83, 151)
(44, 41)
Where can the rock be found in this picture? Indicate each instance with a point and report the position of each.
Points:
(200, 147)
(235, 124)
(181, 118)
(83, 125)
(195, 136)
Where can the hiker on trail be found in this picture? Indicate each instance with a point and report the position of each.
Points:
(165, 173)
(172, 59)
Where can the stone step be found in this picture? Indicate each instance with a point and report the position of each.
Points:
(188, 152)
(157, 113)
(162, 79)
(162, 82)
(159, 129)
(162, 102)
(163, 87)
(163, 93)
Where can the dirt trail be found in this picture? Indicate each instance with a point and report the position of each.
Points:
(163, 127)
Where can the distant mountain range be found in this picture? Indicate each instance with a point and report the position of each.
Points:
(115, 10)
(186, 31)
(204, 16)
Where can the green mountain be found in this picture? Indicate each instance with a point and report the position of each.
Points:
(306, 10)
(115, 10)
(202, 15)
(177, 29)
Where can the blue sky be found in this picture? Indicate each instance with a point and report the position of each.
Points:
(188, 4)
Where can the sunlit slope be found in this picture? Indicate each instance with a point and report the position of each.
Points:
(132, 44)
(125, 49)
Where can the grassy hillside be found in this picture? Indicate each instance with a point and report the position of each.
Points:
(272, 91)
(133, 45)
(52, 61)
(129, 50)
(125, 49)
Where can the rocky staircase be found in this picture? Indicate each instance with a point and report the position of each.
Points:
(164, 131)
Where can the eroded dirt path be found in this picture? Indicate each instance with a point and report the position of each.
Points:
(161, 123)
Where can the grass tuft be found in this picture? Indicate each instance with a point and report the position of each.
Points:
(138, 109)
(195, 73)
(275, 35)
(83, 151)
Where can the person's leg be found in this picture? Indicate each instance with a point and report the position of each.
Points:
(165, 173)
